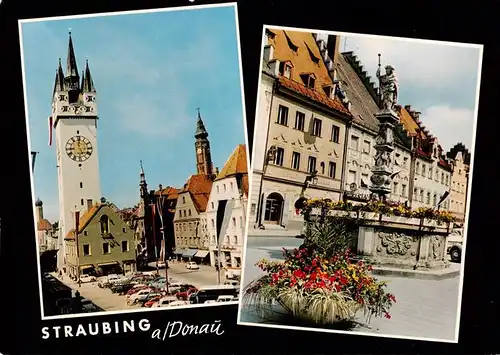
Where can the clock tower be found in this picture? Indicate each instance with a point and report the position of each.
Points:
(204, 164)
(74, 119)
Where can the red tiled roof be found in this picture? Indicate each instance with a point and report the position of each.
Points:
(43, 225)
(199, 187)
(236, 164)
(85, 219)
(314, 95)
(171, 192)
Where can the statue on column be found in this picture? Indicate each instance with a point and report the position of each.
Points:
(388, 86)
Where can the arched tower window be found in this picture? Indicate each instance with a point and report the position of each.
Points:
(104, 224)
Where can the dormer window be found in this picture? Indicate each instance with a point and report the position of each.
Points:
(270, 34)
(311, 54)
(292, 45)
(329, 90)
(309, 80)
(285, 69)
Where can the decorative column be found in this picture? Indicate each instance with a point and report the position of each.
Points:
(384, 145)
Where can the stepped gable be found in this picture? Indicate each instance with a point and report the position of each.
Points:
(363, 105)
(459, 147)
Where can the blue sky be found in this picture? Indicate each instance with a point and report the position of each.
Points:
(438, 79)
(151, 72)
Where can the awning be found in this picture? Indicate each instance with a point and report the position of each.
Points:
(179, 251)
(114, 263)
(189, 253)
(201, 253)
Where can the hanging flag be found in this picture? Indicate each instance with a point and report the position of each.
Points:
(224, 212)
(444, 197)
(77, 225)
(33, 157)
(50, 130)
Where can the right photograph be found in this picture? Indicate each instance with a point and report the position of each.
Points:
(360, 182)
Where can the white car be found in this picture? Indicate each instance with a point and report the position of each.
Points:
(226, 298)
(87, 278)
(165, 301)
(192, 266)
(134, 297)
(178, 303)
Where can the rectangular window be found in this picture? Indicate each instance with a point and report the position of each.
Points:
(86, 249)
(311, 165)
(81, 185)
(105, 248)
(280, 155)
(395, 187)
(354, 143)
(332, 167)
(282, 115)
(366, 147)
(365, 180)
(300, 119)
(317, 127)
(403, 190)
(430, 173)
(335, 134)
(428, 199)
(296, 161)
(423, 170)
(124, 246)
(234, 222)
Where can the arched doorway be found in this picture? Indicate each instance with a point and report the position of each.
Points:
(274, 208)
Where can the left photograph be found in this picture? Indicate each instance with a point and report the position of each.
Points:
(139, 194)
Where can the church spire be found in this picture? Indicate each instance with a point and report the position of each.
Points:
(87, 82)
(201, 132)
(72, 77)
(143, 185)
(59, 82)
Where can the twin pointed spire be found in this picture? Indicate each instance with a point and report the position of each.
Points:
(71, 79)
(201, 132)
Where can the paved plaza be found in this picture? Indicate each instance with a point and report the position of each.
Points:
(424, 308)
(108, 301)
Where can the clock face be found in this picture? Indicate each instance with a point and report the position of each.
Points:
(79, 148)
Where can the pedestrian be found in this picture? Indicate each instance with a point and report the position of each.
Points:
(79, 282)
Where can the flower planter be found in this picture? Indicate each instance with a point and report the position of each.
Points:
(339, 312)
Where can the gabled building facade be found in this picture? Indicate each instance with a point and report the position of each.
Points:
(103, 243)
(231, 184)
(459, 181)
(300, 127)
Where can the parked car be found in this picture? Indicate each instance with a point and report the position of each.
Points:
(165, 301)
(133, 297)
(87, 278)
(152, 301)
(106, 281)
(178, 303)
(88, 306)
(184, 293)
(192, 266)
(454, 246)
(121, 288)
(146, 298)
(226, 298)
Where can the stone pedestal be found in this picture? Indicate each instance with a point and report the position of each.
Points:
(384, 146)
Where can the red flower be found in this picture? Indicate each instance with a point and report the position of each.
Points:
(387, 315)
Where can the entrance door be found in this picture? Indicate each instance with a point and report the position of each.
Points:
(274, 208)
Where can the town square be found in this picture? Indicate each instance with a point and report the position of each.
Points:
(360, 178)
(140, 195)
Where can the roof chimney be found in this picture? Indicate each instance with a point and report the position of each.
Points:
(268, 53)
(274, 66)
(89, 204)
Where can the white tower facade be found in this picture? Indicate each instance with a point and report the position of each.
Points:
(74, 118)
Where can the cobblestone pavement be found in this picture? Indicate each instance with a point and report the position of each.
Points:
(105, 299)
(424, 308)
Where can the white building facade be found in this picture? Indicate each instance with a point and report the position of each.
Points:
(231, 243)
